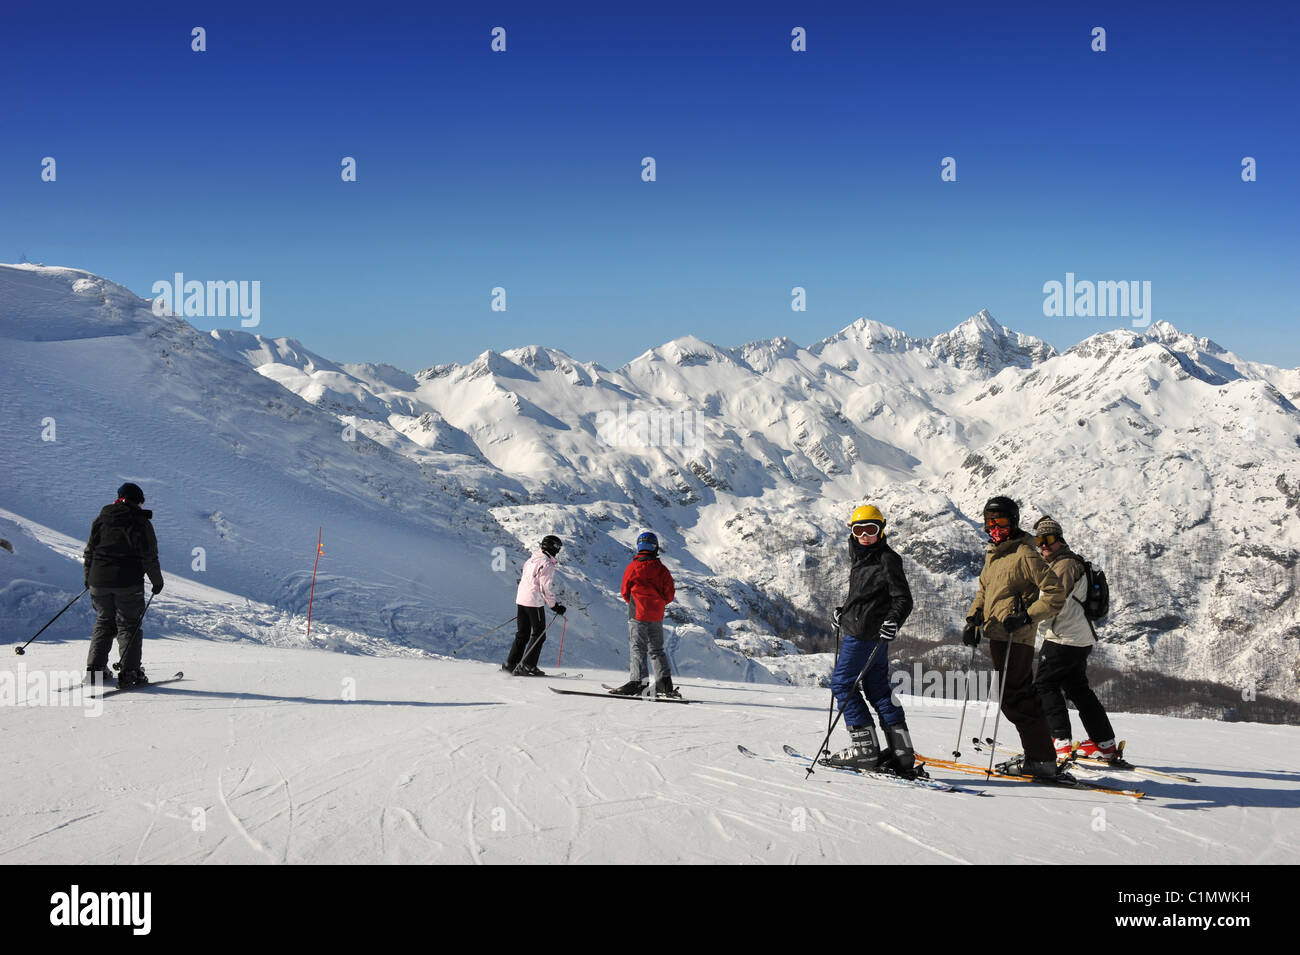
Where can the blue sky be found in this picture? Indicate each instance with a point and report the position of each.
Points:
(775, 169)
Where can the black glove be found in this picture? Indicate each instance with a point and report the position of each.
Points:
(559, 609)
(970, 634)
(888, 630)
(1015, 621)
(157, 586)
(836, 616)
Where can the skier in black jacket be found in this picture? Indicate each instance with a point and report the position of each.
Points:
(121, 550)
(879, 601)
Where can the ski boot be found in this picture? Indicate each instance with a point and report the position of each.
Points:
(630, 688)
(1107, 751)
(129, 678)
(527, 669)
(862, 754)
(1063, 748)
(664, 687)
(1033, 769)
(507, 668)
(100, 677)
(898, 757)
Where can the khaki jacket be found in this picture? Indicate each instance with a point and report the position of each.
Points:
(1013, 569)
(1070, 627)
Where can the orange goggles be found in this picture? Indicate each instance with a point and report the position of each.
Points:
(997, 521)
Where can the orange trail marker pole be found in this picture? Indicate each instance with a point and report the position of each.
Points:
(319, 532)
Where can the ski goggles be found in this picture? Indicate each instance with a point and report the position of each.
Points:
(997, 520)
(1047, 540)
(866, 529)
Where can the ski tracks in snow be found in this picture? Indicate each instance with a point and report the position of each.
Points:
(895, 831)
(289, 806)
(255, 844)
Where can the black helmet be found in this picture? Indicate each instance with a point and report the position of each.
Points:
(131, 493)
(1006, 506)
(551, 544)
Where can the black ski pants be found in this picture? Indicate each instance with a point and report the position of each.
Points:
(119, 611)
(1062, 675)
(1020, 703)
(532, 626)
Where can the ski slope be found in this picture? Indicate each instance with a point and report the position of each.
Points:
(257, 757)
(242, 473)
(246, 445)
(1171, 461)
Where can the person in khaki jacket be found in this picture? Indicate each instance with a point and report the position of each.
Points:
(1017, 591)
(1063, 662)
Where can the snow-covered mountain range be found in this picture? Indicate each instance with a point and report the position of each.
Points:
(1171, 462)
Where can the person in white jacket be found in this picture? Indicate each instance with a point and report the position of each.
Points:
(535, 592)
(1068, 639)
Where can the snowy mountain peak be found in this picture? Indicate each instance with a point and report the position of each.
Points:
(1166, 334)
(981, 344)
(258, 351)
(869, 334)
(983, 320)
(496, 365)
(61, 304)
(763, 355)
(688, 350)
(537, 358)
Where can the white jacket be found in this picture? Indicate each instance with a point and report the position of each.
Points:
(536, 581)
(1070, 627)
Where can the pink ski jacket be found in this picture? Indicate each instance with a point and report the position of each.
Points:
(535, 584)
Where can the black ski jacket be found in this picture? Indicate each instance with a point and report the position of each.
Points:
(878, 591)
(122, 548)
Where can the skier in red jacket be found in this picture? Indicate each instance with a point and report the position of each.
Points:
(647, 588)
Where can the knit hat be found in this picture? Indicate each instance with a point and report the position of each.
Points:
(1046, 525)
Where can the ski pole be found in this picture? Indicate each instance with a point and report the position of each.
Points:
(536, 640)
(984, 721)
(830, 707)
(861, 674)
(23, 649)
(563, 629)
(138, 627)
(1002, 690)
(966, 699)
(484, 636)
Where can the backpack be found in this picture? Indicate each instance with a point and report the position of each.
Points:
(1096, 592)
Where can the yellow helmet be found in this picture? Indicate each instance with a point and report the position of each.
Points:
(867, 512)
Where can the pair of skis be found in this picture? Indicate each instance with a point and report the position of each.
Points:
(1066, 783)
(562, 675)
(618, 696)
(918, 783)
(1099, 764)
(936, 785)
(178, 675)
(113, 691)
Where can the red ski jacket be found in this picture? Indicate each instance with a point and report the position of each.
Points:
(648, 582)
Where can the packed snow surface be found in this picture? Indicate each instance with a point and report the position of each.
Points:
(275, 755)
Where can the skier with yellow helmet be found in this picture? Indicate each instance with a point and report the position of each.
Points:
(877, 604)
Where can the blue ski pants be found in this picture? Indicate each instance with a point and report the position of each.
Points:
(875, 684)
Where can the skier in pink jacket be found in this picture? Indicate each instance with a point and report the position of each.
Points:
(533, 595)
